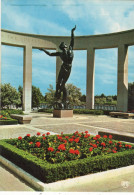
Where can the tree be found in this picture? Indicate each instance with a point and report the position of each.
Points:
(109, 98)
(114, 97)
(20, 90)
(37, 97)
(83, 98)
(9, 95)
(100, 100)
(102, 95)
(74, 95)
(49, 96)
(130, 89)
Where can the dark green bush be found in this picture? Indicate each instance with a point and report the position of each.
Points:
(9, 122)
(5, 118)
(86, 111)
(45, 110)
(10, 111)
(48, 172)
(77, 111)
(106, 112)
(15, 111)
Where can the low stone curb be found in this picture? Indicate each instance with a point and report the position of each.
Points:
(64, 185)
(118, 136)
(37, 184)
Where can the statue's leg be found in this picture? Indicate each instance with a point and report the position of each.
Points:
(64, 94)
(66, 76)
(58, 93)
(58, 84)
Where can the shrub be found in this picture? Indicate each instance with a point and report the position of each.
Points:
(45, 110)
(7, 112)
(86, 111)
(15, 112)
(9, 95)
(106, 112)
(62, 148)
(48, 172)
(5, 119)
(8, 122)
(77, 111)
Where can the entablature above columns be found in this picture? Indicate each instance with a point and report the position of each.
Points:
(103, 41)
(22, 40)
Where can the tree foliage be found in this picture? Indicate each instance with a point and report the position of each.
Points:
(20, 89)
(49, 96)
(103, 99)
(83, 98)
(74, 94)
(37, 97)
(9, 95)
(130, 89)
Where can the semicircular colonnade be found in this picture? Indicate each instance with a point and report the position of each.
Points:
(90, 43)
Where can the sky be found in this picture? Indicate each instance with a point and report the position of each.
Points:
(56, 17)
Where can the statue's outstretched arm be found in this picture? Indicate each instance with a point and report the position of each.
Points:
(50, 54)
(72, 37)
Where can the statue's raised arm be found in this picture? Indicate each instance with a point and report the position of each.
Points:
(72, 37)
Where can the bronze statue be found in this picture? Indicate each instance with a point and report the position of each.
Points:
(66, 55)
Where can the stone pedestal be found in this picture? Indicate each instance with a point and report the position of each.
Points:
(62, 113)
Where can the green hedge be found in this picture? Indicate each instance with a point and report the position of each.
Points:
(6, 113)
(9, 122)
(77, 111)
(48, 173)
(45, 110)
(81, 111)
(86, 111)
(10, 111)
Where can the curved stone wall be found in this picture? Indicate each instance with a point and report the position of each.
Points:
(103, 41)
(120, 40)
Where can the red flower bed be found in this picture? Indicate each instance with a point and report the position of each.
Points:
(3, 117)
(60, 148)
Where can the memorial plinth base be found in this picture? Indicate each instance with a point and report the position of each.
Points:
(62, 113)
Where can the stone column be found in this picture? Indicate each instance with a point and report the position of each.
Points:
(90, 79)
(122, 88)
(27, 78)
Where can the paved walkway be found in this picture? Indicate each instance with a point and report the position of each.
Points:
(45, 122)
(9, 182)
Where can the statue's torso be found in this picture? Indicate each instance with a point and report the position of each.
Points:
(67, 57)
